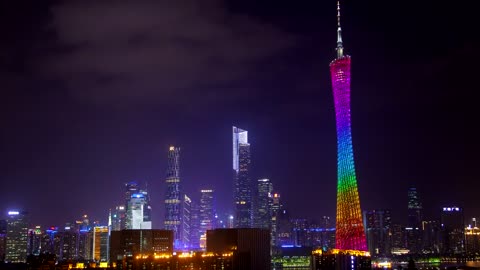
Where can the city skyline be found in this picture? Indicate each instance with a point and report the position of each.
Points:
(410, 118)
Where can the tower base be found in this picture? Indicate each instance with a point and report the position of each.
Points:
(337, 259)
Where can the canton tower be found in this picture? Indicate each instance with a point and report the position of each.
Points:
(350, 234)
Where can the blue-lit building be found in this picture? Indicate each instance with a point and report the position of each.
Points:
(17, 237)
(242, 181)
(173, 199)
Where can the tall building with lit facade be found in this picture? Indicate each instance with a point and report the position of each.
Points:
(472, 240)
(351, 245)
(206, 214)
(195, 231)
(100, 244)
(173, 214)
(138, 206)
(350, 234)
(275, 208)
(377, 225)
(186, 221)
(17, 237)
(117, 218)
(68, 244)
(453, 230)
(263, 203)
(242, 181)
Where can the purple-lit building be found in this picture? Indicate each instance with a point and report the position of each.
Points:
(242, 181)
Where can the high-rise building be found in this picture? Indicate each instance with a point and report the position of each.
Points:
(3, 238)
(186, 221)
(243, 186)
(130, 188)
(100, 244)
(173, 215)
(69, 240)
(34, 241)
(263, 204)
(350, 234)
(453, 230)
(275, 208)
(414, 208)
(206, 215)
(378, 224)
(117, 218)
(51, 241)
(472, 240)
(17, 237)
(431, 236)
(136, 218)
(195, 231)
(250, 247)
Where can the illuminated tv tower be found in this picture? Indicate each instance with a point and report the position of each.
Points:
(350, 234)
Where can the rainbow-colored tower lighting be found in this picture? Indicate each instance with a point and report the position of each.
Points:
(350, 234)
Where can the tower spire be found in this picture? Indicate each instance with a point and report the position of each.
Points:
(339, 33)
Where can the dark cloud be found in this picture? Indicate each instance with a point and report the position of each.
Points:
(132, 52)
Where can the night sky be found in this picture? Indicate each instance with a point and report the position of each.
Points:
(94, 92)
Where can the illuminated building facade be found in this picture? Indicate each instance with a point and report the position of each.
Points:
(68, 245)
(336, 259)
(263, 203)
(118, 217)
(243, 186)
(206, 214)
(472, 240)
(173, 215)
(130, 188)
(275, 208)
(186, 221)
(138, 206)
(17, 237)
(100, 244)
(34, 241)
(377, 225)
(195, 231)
(350, 234)
(453, 230)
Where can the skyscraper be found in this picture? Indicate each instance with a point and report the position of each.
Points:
(414, 208)
(17, 237)
(263, 203)
(378, 224)
(243, 185)
(453, 230)
(136, 217)
(206, 214)
(350, 234)
(186, 221)
(173, 197)
(100, 244)
(117, 218)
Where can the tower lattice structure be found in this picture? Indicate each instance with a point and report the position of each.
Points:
(350, 234)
